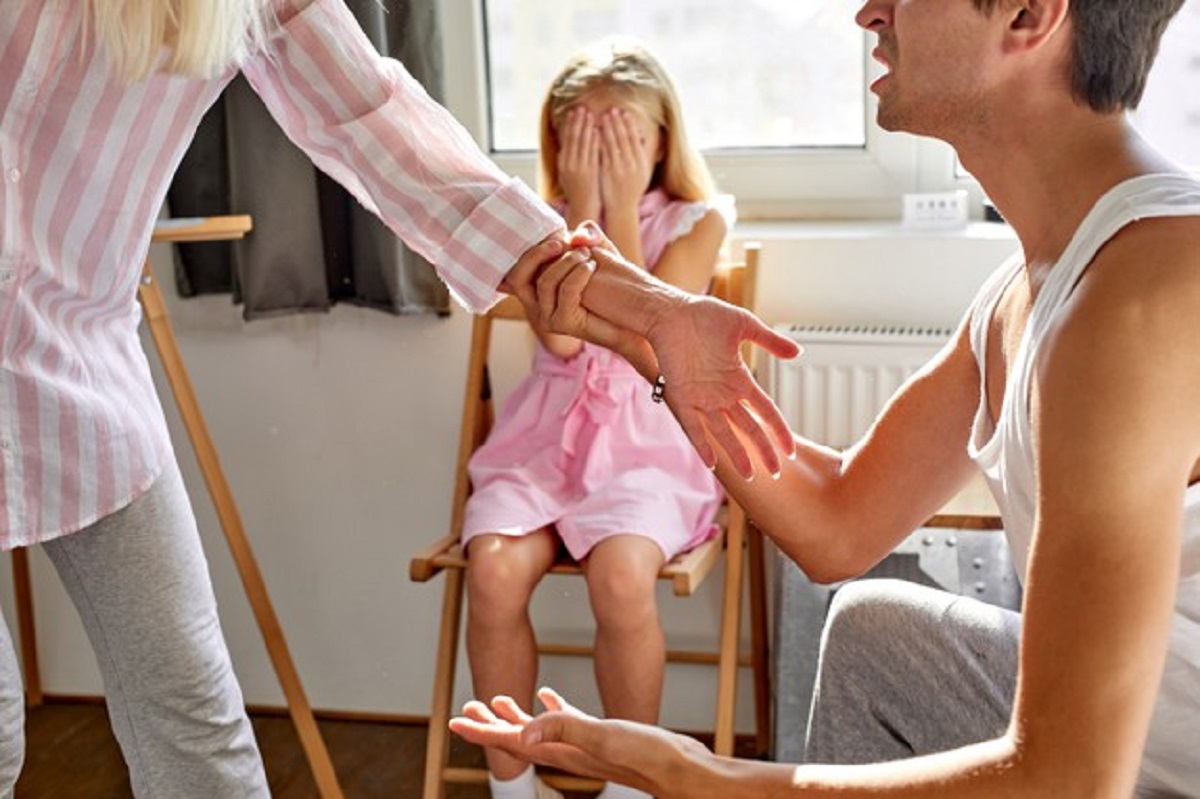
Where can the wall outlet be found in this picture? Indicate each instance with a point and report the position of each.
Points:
(938, 211)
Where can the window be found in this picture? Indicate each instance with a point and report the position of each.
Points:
(774, 92)
(751, 75)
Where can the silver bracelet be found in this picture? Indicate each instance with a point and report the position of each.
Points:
(656, 393)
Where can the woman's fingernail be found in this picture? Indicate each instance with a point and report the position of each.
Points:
(533, 737)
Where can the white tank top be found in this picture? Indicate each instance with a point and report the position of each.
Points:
(1004, 451)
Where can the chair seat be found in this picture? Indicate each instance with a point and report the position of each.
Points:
(686, 571)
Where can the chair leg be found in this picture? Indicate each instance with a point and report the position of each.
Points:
(437, 751)
(731, 616)
(759, 641)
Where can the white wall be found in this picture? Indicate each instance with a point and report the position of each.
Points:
(337, 434)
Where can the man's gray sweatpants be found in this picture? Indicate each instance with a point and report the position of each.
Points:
(907, 670)
(140, 582)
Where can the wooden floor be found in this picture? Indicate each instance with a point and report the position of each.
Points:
(71, 754)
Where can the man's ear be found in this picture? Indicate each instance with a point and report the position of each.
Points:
(1032, 23)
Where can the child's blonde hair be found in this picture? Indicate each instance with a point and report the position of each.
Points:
(203, 37)
(626, 67)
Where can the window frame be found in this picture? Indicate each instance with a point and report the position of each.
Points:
(801, 183)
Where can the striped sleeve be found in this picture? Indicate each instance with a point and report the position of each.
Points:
(367, 123)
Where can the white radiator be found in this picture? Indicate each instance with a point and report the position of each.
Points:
(846, 374)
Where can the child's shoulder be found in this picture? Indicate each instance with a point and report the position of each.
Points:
(686, 214)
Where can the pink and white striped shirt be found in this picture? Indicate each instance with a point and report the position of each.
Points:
(85, 162)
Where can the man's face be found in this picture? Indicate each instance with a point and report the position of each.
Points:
(937, 58)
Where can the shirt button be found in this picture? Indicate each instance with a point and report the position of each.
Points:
(29, 87)
(7, 277)
(6, 444)
(14, 175)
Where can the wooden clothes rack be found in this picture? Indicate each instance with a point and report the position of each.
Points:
(218, 228)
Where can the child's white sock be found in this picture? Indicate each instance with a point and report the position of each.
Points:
(522, 786)
(525, 785)
(614, 791)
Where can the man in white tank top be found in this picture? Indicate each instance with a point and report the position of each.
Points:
(1074, 383)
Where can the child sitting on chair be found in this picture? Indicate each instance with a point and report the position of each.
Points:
(581, 454)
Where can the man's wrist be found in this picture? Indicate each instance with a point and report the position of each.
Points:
(629, 297)
(658, 303)
(666, 302)
(637, 351)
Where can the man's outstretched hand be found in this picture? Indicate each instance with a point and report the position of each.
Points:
(712, 392)
(637, 755)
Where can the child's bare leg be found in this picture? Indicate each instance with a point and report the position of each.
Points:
(502, 572)
(630, 649)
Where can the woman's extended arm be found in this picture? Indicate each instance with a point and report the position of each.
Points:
(363, 120)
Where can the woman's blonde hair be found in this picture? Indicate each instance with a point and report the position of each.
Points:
(626, 67)
(203, 37)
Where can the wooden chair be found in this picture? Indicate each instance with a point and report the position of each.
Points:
(735, 284)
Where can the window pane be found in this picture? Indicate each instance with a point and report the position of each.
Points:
(750, 73)
(1169, 114)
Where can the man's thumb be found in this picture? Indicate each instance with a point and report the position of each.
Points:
(558, 727)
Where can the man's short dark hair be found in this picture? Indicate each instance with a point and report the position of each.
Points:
(1115, 45)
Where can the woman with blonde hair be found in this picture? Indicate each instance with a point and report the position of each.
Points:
(98, 101)
(581, 455)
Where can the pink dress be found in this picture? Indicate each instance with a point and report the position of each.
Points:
(579, 443)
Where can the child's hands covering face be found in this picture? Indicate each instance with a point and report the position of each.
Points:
(627, 157)
(579, 163)
(607, 156)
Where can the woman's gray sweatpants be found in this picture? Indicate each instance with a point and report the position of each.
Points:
(907, 670)
(140, 582)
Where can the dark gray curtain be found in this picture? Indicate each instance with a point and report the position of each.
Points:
(313, 245)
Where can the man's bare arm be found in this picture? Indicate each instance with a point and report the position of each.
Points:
(838, 513)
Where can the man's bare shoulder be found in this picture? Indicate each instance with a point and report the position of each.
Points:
(1135, 315)
(1125, 341)
(1152, 266)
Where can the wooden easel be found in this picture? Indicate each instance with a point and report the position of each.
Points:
(220, 228)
